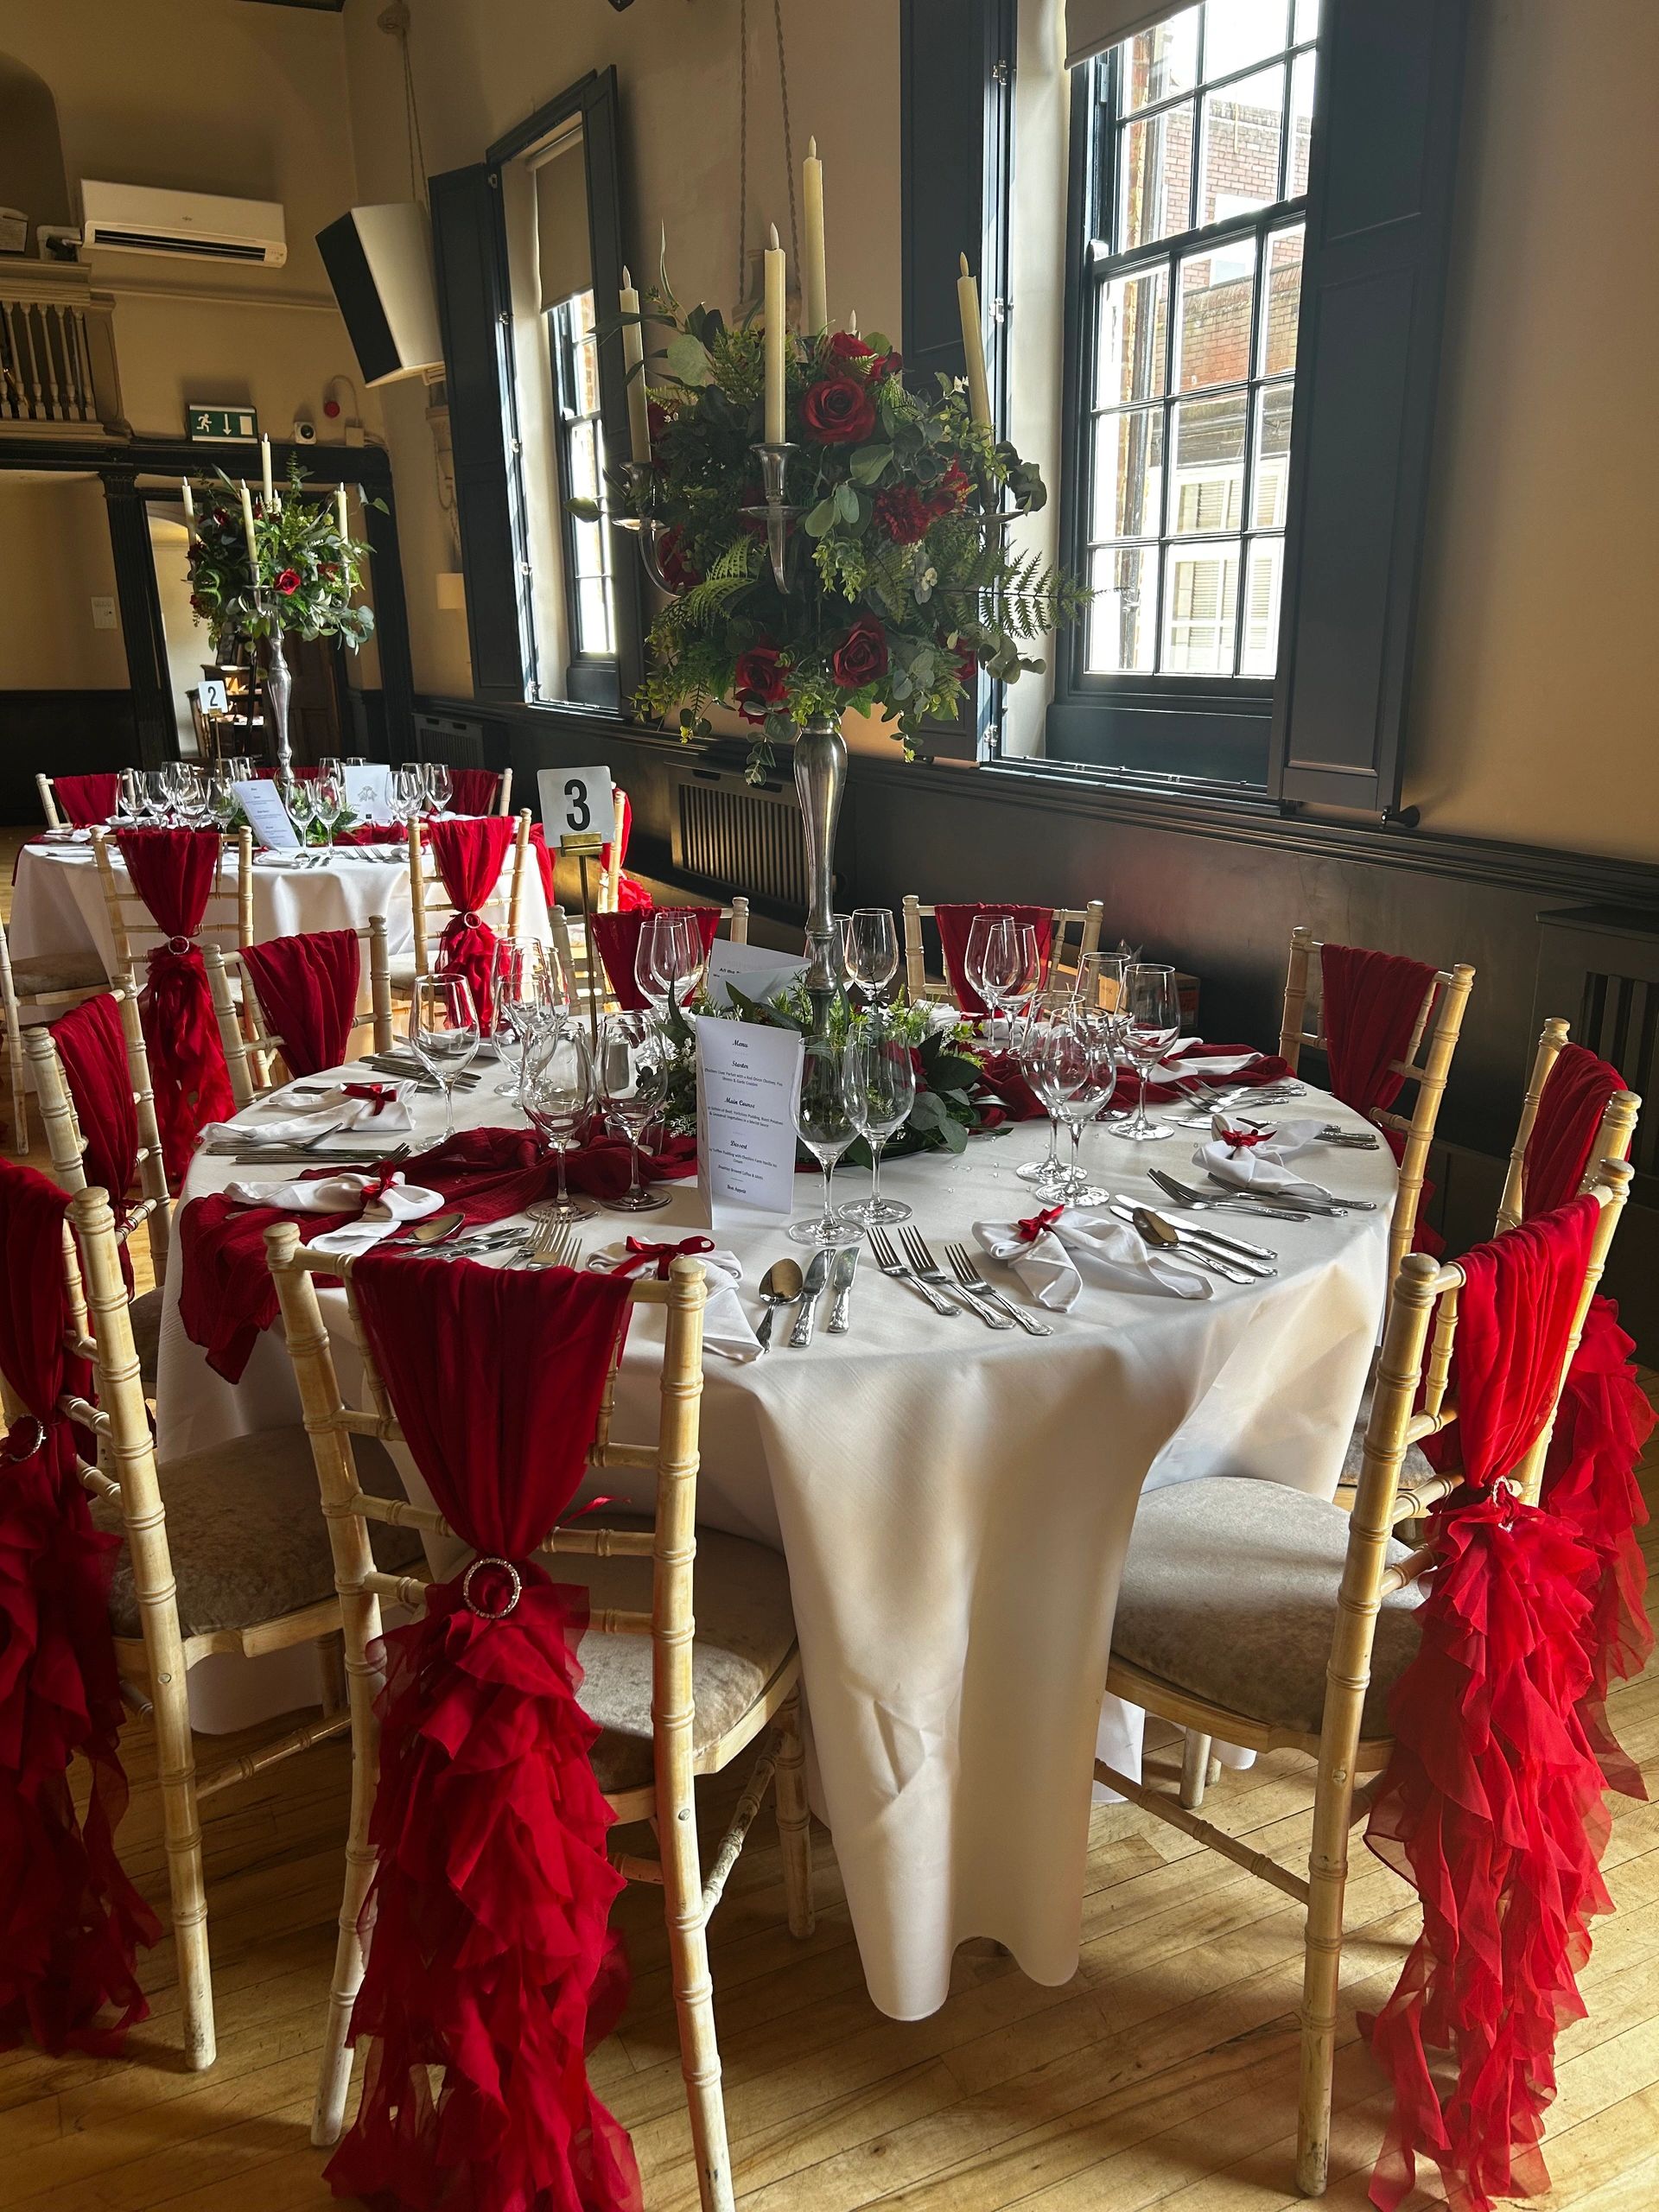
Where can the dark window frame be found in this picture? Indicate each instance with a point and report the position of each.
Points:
(588, 676)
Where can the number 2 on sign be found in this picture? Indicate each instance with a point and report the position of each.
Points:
(576, 803)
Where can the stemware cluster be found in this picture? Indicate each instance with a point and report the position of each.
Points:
(419, 788)
(1069, 1045)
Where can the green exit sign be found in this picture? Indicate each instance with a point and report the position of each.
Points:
(221, 425)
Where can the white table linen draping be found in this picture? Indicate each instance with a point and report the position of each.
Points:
(57, 901)
(954, 1506)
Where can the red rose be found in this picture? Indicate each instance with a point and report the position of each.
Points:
(198, 604)
(967, 667)
(954, 487)
(677, 572)
(289, 581)
(904, 513)
(758, 684)
(656, 419)
(838, 411)
(861, 656)
(846, 345)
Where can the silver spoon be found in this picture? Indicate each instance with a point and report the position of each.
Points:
(437, 1227)
(1161, 1235)
(781, 1285)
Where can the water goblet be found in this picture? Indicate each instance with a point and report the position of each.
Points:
(630, 1080)
(1096, 1064)
(155, 795)
(408, 791)
(1152, 1022)
(558, 1099)
(670, 957)
(443, 1035)
(826, 1129)
(879, 1076)
(870, 951)
(440, 785)
(521, 999)
(993, 962)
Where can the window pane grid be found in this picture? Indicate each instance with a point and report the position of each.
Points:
(587, 544)
(1185, 502)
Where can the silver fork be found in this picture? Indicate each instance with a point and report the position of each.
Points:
(555, 1244)
(890, 1264)
(915, 1248)
(963, 1267)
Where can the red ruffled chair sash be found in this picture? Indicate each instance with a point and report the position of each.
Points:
(474, 791)
(1491, 1804)
(70, 1922)
(617, 936)
(954, 924)
(1370, 1005)
(85, 800)
(1570, 1107)
(93, 1047)
(491, 1957)
(173, 872)
(469, 856)
(307, 987)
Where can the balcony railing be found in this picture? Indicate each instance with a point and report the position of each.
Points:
(58, 375)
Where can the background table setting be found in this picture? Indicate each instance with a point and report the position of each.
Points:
(951, 1465)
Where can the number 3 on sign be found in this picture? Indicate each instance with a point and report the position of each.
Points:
(576, 803)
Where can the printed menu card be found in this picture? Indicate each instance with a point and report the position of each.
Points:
(267, 816)
(748, 1083)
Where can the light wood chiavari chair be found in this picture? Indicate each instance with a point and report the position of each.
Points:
(1252, 1612)
(1613, 1138)
(250, 1058)
(430, 905)
(66, 1146)
(570, 944)
(230, 906)
(1065, 955)
(44, 983)
(48, 802)
(1435, 1039)
(222, 1553)
(666, 1722)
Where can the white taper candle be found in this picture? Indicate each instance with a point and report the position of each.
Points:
(777, 332)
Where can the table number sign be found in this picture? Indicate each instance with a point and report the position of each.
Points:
(576, 803)
(268, 818)
(749, 1081)
(368, 792)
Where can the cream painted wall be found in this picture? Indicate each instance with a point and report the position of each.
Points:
(54, 558)
(1533, 709)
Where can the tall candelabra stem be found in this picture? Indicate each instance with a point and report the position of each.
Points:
(820, 778)
(279, 687)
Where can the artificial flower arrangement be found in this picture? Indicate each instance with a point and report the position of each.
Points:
(262, 565)
(898, 582)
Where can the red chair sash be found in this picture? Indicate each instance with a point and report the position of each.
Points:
(491, 1957)
(617, 936)
(1371, 1005)
(953, 924)
(1574, 1097)
(71, 1923)
(469, 857)
(307, 987)
(84, 800)
(1491, 1804)
(474, 791)
(173, 872)
(92, 1046)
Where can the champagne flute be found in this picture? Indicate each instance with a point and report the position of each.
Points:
(440, 785)
(879, 1076)
(870, 951)
(1152, 1022)
(826, 1129)
(558, 1099)
(630, 1080)
(521, 996)
(443, 1034)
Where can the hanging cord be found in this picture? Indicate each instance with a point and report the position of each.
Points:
(394, 20)
(789, 142)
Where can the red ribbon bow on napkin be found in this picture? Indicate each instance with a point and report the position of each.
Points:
(378, 1095)
(1036, 1224)
(643, 1254)
(1237, 1141)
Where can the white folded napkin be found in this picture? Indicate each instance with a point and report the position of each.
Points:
(1085, 1245)
(1259, 1166)
(305, 1116)
(394, 1204)
(726, 1327)
(1209, 1067)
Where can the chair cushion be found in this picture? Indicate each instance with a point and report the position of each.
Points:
(1229, 1593)
(401, 970)
(146, 1312)
(745, 1635)
(246, 1535)
(41, 972)
(1413, 1468)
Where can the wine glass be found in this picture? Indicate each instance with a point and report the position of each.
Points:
(331, 764)
(870, 951)
(879, 1078)
(992, 960)
(1045, 1063)
(328, 801)
(440, 785)
(443, 1033)
(630, 1080)
(129, 802)
(221, 799)
(155, 795)
(558, 1098)
(826, 1128)
(670, 957)
(1091, 1051)
(1028, 972)
(190, 798)
(1152, 1022)
(300, 799)
(521, 999)
(407, 790)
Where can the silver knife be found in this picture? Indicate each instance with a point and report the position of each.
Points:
(841, 1283)
(811, 1290)
(1243, 1258)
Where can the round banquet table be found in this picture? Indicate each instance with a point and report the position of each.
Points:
(954, 1506)
(57, 901)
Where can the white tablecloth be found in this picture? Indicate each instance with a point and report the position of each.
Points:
(57, 902)
(955, 1507)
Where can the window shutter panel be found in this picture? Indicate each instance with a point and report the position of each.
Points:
(470, 257)
(1379, 194)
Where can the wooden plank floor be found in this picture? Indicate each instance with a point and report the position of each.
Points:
(1164, 2074)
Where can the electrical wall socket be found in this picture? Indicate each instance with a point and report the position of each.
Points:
(103, 611)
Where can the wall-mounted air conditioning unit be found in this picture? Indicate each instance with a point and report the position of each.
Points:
(186, 226)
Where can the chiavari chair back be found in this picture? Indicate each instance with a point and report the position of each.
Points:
(229, 913)
(79, 800)
(1075, 935)
(48, 802)
(1424, 1064)
(36, 984)
(1256, 1615)
(660, 1558)
(66, 1142)
(571, 943)
(1612, 1139)
(251, 1045)
(431, 905)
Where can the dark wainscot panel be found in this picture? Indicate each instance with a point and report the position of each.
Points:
(59, 733)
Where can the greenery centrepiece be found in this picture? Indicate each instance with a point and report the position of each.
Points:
(900, 580)
(309, 571)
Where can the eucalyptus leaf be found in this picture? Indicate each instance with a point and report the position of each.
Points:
(688, 359)
(868, 462)
(819, 519)
(846, 503)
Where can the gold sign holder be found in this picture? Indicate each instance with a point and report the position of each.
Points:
(585, 848)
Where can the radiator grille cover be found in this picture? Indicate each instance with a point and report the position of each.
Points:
(742, 839)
